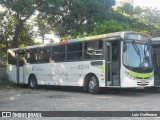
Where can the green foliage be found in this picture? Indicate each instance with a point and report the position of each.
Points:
(21, 8)
(3, 59)
(19, 12)
(75, 17)
(37, 43)
(5, 83)
(71, 19)
(8, 25)
(134, 19)
(127, 8)
(107, 27)
(43, 27)
(151, 16)
(157, 32)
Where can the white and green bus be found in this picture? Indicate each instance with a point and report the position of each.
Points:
(118, 60)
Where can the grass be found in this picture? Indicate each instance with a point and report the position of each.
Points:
(5, 83)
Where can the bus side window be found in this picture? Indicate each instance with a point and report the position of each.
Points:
(12, 58)
(40, 55)
(74, 51)
(58, 53)
(33, 55)
(27, 56)
(44, 55)
(93, 50)
(22, 61)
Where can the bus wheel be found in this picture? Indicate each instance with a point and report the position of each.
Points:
(93, 86)
(33, 82)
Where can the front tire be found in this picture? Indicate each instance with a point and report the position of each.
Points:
(93, 85)
(33, 82)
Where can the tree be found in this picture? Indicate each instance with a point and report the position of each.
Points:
(20, 10)
(151, 16)
(107, 27)
(138, 19)
(43, 27)
(5, 30)
(126, 8)
(75, 17)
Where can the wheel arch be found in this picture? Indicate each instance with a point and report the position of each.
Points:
(32, 74)
(86, 80)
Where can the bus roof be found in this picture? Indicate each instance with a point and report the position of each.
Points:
(108, 35)
(156, 39)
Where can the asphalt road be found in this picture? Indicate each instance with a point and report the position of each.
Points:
(73, 99)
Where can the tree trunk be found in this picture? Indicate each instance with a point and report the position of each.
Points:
(16, 34)
(43, 38)
(6, 42)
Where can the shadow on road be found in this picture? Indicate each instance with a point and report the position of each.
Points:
(104, 91)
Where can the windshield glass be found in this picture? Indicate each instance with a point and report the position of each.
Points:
(136, 55)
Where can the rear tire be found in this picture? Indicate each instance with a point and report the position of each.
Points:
(33, 82)
(93, 85)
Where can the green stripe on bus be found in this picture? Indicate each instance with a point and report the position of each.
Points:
(101, 67)
(141, 75)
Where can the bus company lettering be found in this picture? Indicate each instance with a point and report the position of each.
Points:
(83, 66)
(37, 69)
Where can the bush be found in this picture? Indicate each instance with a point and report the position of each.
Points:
(2, 60)
(5, 83)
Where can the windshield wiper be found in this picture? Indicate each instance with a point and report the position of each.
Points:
(146, 48)
(146, 57)
(136, 49)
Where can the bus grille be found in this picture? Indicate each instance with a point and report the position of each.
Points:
(142, 83)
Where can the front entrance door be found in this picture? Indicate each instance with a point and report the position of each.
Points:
(112, 63)
(108, 67)
(20, 67)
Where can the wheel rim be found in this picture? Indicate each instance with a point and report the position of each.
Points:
(91, 86)
(32, 83)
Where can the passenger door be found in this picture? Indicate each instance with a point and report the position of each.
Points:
(112, 63)
(108, 58)
(20, 67)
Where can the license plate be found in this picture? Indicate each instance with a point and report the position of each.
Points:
(143, 82)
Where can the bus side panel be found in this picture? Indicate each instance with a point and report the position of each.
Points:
(74, 73)
(57, 73)
(27, 72)
(42, 73)
(11, 71)
(21, 79)
(69, 73)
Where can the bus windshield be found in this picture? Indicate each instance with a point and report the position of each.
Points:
(136, 55)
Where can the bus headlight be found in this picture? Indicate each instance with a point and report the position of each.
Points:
(127, 74)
